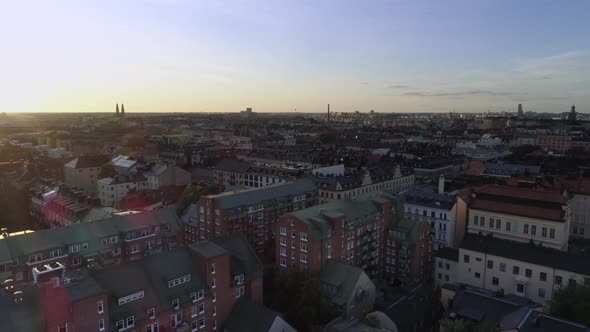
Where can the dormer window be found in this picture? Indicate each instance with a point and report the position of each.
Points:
(179, 281)
(176, 304)
(130, 298)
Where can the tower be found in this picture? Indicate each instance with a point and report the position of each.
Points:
(122, 110)
(328, 119)
(520, 111)
(572, 116)
(117, 110)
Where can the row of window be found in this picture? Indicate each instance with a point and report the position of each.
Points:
(513, 227)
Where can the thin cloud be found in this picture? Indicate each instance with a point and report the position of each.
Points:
(364, 83)
(458, 93)
(399, 86)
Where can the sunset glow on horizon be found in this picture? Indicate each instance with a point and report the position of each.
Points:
(281, 56)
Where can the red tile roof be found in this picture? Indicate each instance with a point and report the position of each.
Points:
(539, 195)
(547, 213)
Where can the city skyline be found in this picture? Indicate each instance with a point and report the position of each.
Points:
(390, 56)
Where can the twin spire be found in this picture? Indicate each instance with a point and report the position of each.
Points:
(122, 110)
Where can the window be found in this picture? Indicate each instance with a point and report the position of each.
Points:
(212, 282)
(100, 306)
(543, 276)
(303, 258)
(194, 311)
(201, 323)
(151, 313)
(466, 258)
(130, 321)
(132, 297)
(490, 264)
(303, 236)
(520, 288)
(176, 304)
(542, 292)
(502, 267)
(440, 264)
(283, 262)
(498, 224)
(508, 226)
(135, 248)
(495, 281)
(283, 230)
(533, 230)
(544, 232)
(528, 273)
(239, 292)
(478, 259)
(477, 275)
(212, 268)
(202, 308)
(63, 327)
(515, 270)
(571, 282)
(448, 266)
(176, 319)
(558, 280)
(283, 241)
(476, 220)
(179, 281)
(552, 233)
(101, 324)
(526, 228)
(439, 276)
(304, 247)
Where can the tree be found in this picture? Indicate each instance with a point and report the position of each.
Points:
(573, 303)
(297, 294)
(107, 171)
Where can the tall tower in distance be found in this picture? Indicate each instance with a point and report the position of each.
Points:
(572, 116)
(328, 118)
(117, 110)
(122, 110)
(520, 111)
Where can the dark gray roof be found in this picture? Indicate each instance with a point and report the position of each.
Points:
(504, 169)
(151, 276)
(259, 195)
(449, 253)
(527, 252)
(342, 276)
(91, 232)
(250, 317)
(243, 257)
(23, 317)
(427, 195)
(231, 165)
(208, 249)
(539, 322)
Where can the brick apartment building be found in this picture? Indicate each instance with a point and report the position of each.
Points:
(408, 252)
(116, 240)
(189, 289)
(350, 231)
(252, 212)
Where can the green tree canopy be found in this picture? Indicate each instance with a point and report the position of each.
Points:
(572, 303)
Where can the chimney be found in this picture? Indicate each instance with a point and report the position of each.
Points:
(441, 184)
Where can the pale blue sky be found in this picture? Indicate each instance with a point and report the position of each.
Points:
(281, 55)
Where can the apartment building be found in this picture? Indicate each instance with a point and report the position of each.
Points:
(353, 186)
(251, 212)
(408, 252)
(189, 289)
(579, 188)
(446, 262)
(232, 173)
(433, 205)
(522, 269)
(555, 143)
(350, 231)
(58, 206)
(521, 214)
(116, 240)
(83, 172)
(161, 175)
(112, 190)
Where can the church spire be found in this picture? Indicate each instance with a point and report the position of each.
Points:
(122, 109)
(117, 109)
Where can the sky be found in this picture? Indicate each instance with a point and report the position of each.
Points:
(294, 55)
